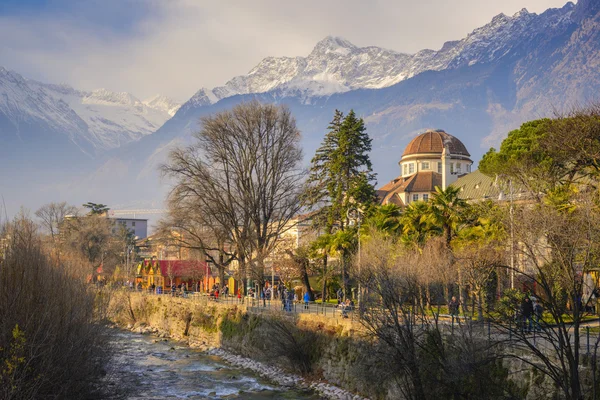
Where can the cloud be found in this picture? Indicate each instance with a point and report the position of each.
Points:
(175, 47)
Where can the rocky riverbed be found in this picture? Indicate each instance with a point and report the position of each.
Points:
(148, 367)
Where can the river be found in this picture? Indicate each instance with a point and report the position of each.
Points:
(147, 367)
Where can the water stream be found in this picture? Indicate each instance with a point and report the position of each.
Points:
(147, 367)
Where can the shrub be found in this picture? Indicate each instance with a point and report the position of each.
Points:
(52, 344)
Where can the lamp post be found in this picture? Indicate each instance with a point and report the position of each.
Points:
(355, 215)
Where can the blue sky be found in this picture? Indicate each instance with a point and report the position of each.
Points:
(175, 47)
(118, 16)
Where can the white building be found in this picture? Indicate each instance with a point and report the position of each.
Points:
(137, 225)
(433, 158)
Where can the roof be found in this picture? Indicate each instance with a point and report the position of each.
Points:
(424, 181)
(177, 268)
(477, 186)
(434, 142)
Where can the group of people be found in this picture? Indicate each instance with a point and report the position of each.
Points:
(344, 306)
(288, 298)
(530, 314)
(217, 291)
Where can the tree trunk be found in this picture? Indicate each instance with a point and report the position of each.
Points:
(306, 282)
(221, 268)
(479, 305)
(447, 292)
(345, 276)
(324, 293)
(243, 275)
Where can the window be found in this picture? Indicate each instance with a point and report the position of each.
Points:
(405, 169)
(452, 168)
(425, 196)
(415, 197)
(411, 168)
(425, 165)
(468, 167)
(439, 168)
(133, 223)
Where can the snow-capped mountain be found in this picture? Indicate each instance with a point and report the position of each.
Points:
(335, 65)
(163, 103)
(513, 69)
(112, 118)
(96, 121)
(22, 104)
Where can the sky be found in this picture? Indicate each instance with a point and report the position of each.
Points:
(175, 47)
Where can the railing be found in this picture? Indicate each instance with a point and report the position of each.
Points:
(260, 305)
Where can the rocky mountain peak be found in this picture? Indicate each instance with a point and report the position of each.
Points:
(333, 44)
(163, 103)
(104, 96)
(586, 9)
(10, 75)
(521, 13)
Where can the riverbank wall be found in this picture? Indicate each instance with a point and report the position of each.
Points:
(317, 348)
(314, 347)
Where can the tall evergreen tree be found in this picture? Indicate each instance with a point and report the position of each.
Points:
(341, 177)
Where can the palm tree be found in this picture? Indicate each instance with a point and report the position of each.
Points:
(386, 219)
(417, 224)
(480, 249)
(448, 211)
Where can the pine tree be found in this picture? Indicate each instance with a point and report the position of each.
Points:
(341, 177)
(321, 182)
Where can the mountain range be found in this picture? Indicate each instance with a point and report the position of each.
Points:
(104, 146)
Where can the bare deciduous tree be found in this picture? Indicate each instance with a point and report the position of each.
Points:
(422, 360)
(190, 227)
(559, 248)
(92, 238)
(244, 172)
(51, 215)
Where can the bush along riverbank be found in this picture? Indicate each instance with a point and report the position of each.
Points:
(279, 348)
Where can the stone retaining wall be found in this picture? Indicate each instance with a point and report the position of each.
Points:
(345, 352)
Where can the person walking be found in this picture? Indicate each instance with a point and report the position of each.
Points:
(340, 295)
(453, 308)
(290, 299)
(306, 300)
(527, 314)
(239, 295)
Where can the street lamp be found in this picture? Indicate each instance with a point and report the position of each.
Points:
(355, 215)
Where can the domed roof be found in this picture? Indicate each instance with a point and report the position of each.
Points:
(433, 142)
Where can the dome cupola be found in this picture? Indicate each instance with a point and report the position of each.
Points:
(434, 142)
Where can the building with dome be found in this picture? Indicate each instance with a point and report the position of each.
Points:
(433, 158)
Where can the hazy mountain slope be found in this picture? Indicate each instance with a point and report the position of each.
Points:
(52, 135)
(112, 118)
